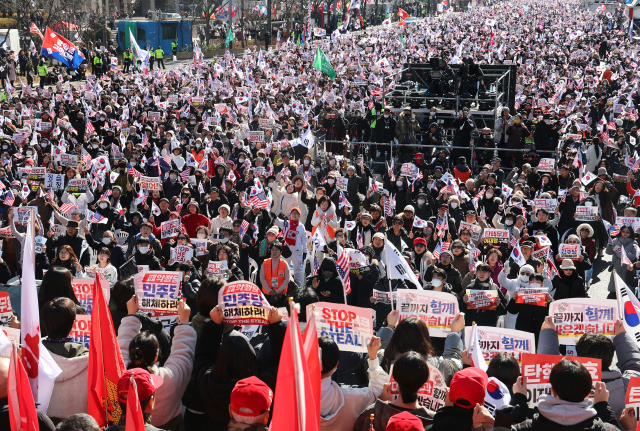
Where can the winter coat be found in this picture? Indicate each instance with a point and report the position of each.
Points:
(554, 414)
(568, 287)
(452, 418)
(406, 128)
(284, 202)
(630, 247)
(461, 263)
(69, 394)
(192, 222)
(453, 276)
(400, 241)
(353, 186)
(480, 316)
(332, 223)
(334, 285)
(367, 234)
(383, 410)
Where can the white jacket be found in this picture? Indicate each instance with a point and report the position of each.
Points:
(592, 159)
(301, 235)
(69, 394)
(284, 202)
(513, 284)
(82, 201)
(175, 373)
(333, 221)
(340, 407)
(220, 222)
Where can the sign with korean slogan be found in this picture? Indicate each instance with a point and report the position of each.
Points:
(256, 135)
(77, 185)
(586, 213)
(158, 290)
(383, 296)
(482, 299)
(495, 340)
(575, 317)
(350, 327)
(69, 160)
(407, 169)
(181, 253)
(496, 237)
(633, 395)
(83, 288)
(532, 296)
(436, 309)
(548, 204)
(217, 269)
(431, 395)
(81, 330)
(54, 181)
(546, 165)
(21, 215)
(6, 312)
(242, 303)
(200, 245)
(537, 368)
(169, 228)
(149, 183)
(570, 251)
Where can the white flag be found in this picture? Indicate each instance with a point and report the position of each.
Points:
(516, 255)
(475, 351)
(307, 139)
(497, 395)
(397, 266)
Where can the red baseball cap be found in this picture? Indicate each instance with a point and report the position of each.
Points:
(468, 387)
(252, 395)
(146, 383)
(420, 240)
(404, 421)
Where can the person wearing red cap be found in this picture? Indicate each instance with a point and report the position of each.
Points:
(404, 421)
(249, 405)
(146, 384)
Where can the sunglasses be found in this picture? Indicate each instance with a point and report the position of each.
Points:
(397, 222)
(457, 247)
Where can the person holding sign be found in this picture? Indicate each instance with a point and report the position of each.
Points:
(572, 249)
(530, 316)
(480, 315)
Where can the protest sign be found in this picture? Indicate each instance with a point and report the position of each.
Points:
(634, 222)
(37, 174)
(40, 242)
(70, 160)
(143, 268)
(494, 340)
(77, 185)
(575, 317)
(181, 253)
(496, 237)
(475, 230)
(217, 269)
(54, 181)
(548, 204)
(158, 290)
(149, 183)
(586, 213)
(533, 296)
(482, 299)
(383, 296)
(633, 395)
(83, 288)
(541, 254)
(242, 303)
(437, 309)
(546, 165)
(81, 330)
(169, 228)
(537, 368)
(350, 327)
(407, 169)
(13, 334)
(357, 262)
(256, 135)
(6, 312)
(431, 395)
(152, 115)
(197, 101)
(200, 245)
(167, 318)
(21, 215)
(570, 251)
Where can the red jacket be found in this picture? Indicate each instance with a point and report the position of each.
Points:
(192, 222)
(632, 194)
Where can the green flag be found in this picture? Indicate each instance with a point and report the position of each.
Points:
(402, 40)
(229, 38)
(321, 62)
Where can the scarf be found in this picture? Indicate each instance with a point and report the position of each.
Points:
(291, 227)
(264, 246)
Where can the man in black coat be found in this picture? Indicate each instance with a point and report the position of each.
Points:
(327, 283)
(71, 239)
(542, 133)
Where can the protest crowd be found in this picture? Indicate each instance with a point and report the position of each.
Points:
(263, 242)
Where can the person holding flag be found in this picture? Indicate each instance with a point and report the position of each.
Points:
(625, 254)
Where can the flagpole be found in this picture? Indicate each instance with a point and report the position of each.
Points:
(386, 258)
(296, 371)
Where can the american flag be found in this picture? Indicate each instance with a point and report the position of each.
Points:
(552, 271)
(9, 198)
(98, 218)
(90, 128)
(512, 240)
(204, 164)
(388, 210)
(133, 171)
(614, 230)
(86, 157)
(316, 265)
(342, 265)
(145, 140)
(65, 208)
(442, 225)
(182, 228)
(167, 158)
(185, 175)
(52, 196)
(624, 260)
(243, 227)
(472, 263)
(105, 195)
(437, 251)
(611, 125)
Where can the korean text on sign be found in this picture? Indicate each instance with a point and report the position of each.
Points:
(431, 395)
(242, 303)
(6, 312)
(482, 299)
(496, 237)
(575, 317)
(495, 340)
(158, 290)
(437, 309)
(350, 327)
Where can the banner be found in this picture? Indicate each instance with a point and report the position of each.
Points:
(81, 330)
(158, 290)
(436, 309)
(69, 160)
(541, 254)
(533, 296)
(149, 183)
(634, 222)
(431, 395)
(255, 135)
(6, 312)
(570, 251)
(169, 228)
(586, 213)
(496, 237)
(548, 204)
(575, 317)
(77, 185)
(217, 269)
(182, 253)
(383, 296)
(82, 287)
(546, 165)
(482, 299)
(476, 230)
(57, 47)
(350, 327)
(242, 303)
(54, 181)
(21, 215)
(537, 368)
(494, 340)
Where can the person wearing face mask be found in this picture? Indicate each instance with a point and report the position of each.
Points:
(439, 282)
(541, 223)
(453, 275)
(331, 190)
(325, 209)
(455, 209)
(424, 206)
(123, 177)
(106, 210)
(542, 134)
(194, 219)
(626, 243)
(144, 255)
(508, 224)
(327, 283)
(110, 242)
(490, 202)
(530, 316)
(173, 185)
(295, 237)
(400, 188)
(482, 281)
(353, 186)
(383, 130)
(568, 284)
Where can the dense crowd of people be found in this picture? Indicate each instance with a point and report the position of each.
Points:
(275, 173)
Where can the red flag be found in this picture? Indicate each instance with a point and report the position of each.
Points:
(106, 365)
(402, 14)
(312, 355)
(295, 407)
(135, 419)
(22, 409)
(36, 30)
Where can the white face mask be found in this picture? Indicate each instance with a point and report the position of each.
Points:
(144, 250)
(547, 121)
(241, 161)
(588, 204)
(317, 170)
(29, 153)
(398, 183)
(454, 204)
(436, 282)
(430, 186)
(386, 116)
(271, 183)
(508, 222)
(95, 146)
(535, 285)
(332, 162)
(106, 240)
(420, 201)
(173, 177)
(489, 195)
(521, 180)
(306, 162)
(331, 181)
(202, 235)
(524, 278)
(5, 147)
(103, 205)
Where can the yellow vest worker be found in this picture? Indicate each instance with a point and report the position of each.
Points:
(42, 70)
(97, 60)
(159, 53)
